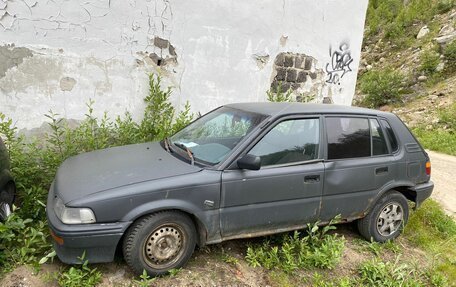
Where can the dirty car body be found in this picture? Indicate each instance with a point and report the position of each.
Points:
(242, 170)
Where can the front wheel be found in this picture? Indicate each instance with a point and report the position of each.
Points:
(387, 219)
(159, 242)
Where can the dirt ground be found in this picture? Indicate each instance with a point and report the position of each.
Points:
(443, 174)
(209, 267)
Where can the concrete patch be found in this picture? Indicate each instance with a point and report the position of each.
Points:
(67, 83)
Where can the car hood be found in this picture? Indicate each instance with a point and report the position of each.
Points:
(100, 170)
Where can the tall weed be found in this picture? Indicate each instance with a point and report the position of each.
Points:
(316, 249)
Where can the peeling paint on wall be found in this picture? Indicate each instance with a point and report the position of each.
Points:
(59, 54)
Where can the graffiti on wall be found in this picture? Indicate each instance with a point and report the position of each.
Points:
(339, 65)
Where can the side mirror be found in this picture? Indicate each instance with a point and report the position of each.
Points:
(249, 161)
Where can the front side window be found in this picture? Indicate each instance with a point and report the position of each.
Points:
(213, 136)
(288, 142)
(348, 137)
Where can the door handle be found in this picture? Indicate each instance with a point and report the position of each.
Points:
(381, 170)
(312, 178)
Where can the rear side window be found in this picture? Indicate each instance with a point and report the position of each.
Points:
(390, 136)
(348, 137)
(378, 140)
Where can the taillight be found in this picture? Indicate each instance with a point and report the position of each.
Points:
(428, 168)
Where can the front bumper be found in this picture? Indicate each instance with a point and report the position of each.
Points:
(423, 191)
(98, 242)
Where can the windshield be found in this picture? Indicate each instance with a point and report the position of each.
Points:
(213, 136)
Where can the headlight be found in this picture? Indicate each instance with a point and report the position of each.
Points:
(73, 215)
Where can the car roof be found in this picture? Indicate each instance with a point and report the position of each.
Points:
(286, 108)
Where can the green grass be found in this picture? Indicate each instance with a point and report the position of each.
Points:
(316, 249)
(430, 229)
(437, 140)
(442, 136)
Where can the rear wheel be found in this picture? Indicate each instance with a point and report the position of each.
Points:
(159, 242)
(387, 219)
(6, 201)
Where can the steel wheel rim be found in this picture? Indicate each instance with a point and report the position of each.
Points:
(5, 211)
(164, 246)
(390, 219)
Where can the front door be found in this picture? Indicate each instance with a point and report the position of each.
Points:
(286, 191)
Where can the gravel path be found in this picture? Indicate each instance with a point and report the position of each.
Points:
(443, 174)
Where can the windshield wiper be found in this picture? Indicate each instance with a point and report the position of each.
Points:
(166, 142)
(189, 152)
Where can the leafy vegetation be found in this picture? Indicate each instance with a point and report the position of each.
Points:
(377, 248)
(316, 249)
(24, 236)
(144, 280)
(381, 87)
(78, 276)
(450, 55)
(379, 273)
(279, 95)
(429, 61)
(396, 20)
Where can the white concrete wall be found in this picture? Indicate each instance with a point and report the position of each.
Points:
(67, 52)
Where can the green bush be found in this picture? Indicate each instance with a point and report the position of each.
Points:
(316, 249)
(429, 61)
(390, 274)
(450, 55)
(381, 87)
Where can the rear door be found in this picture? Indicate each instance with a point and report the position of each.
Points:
(358, 164)
(285, 192)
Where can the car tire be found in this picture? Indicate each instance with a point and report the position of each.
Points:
(6, 201)
(159, 242)
(387, 218)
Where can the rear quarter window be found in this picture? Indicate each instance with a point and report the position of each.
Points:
(390, 136)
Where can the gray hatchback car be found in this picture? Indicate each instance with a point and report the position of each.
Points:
(242, 170)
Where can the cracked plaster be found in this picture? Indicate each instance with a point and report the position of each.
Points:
(216, 52)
